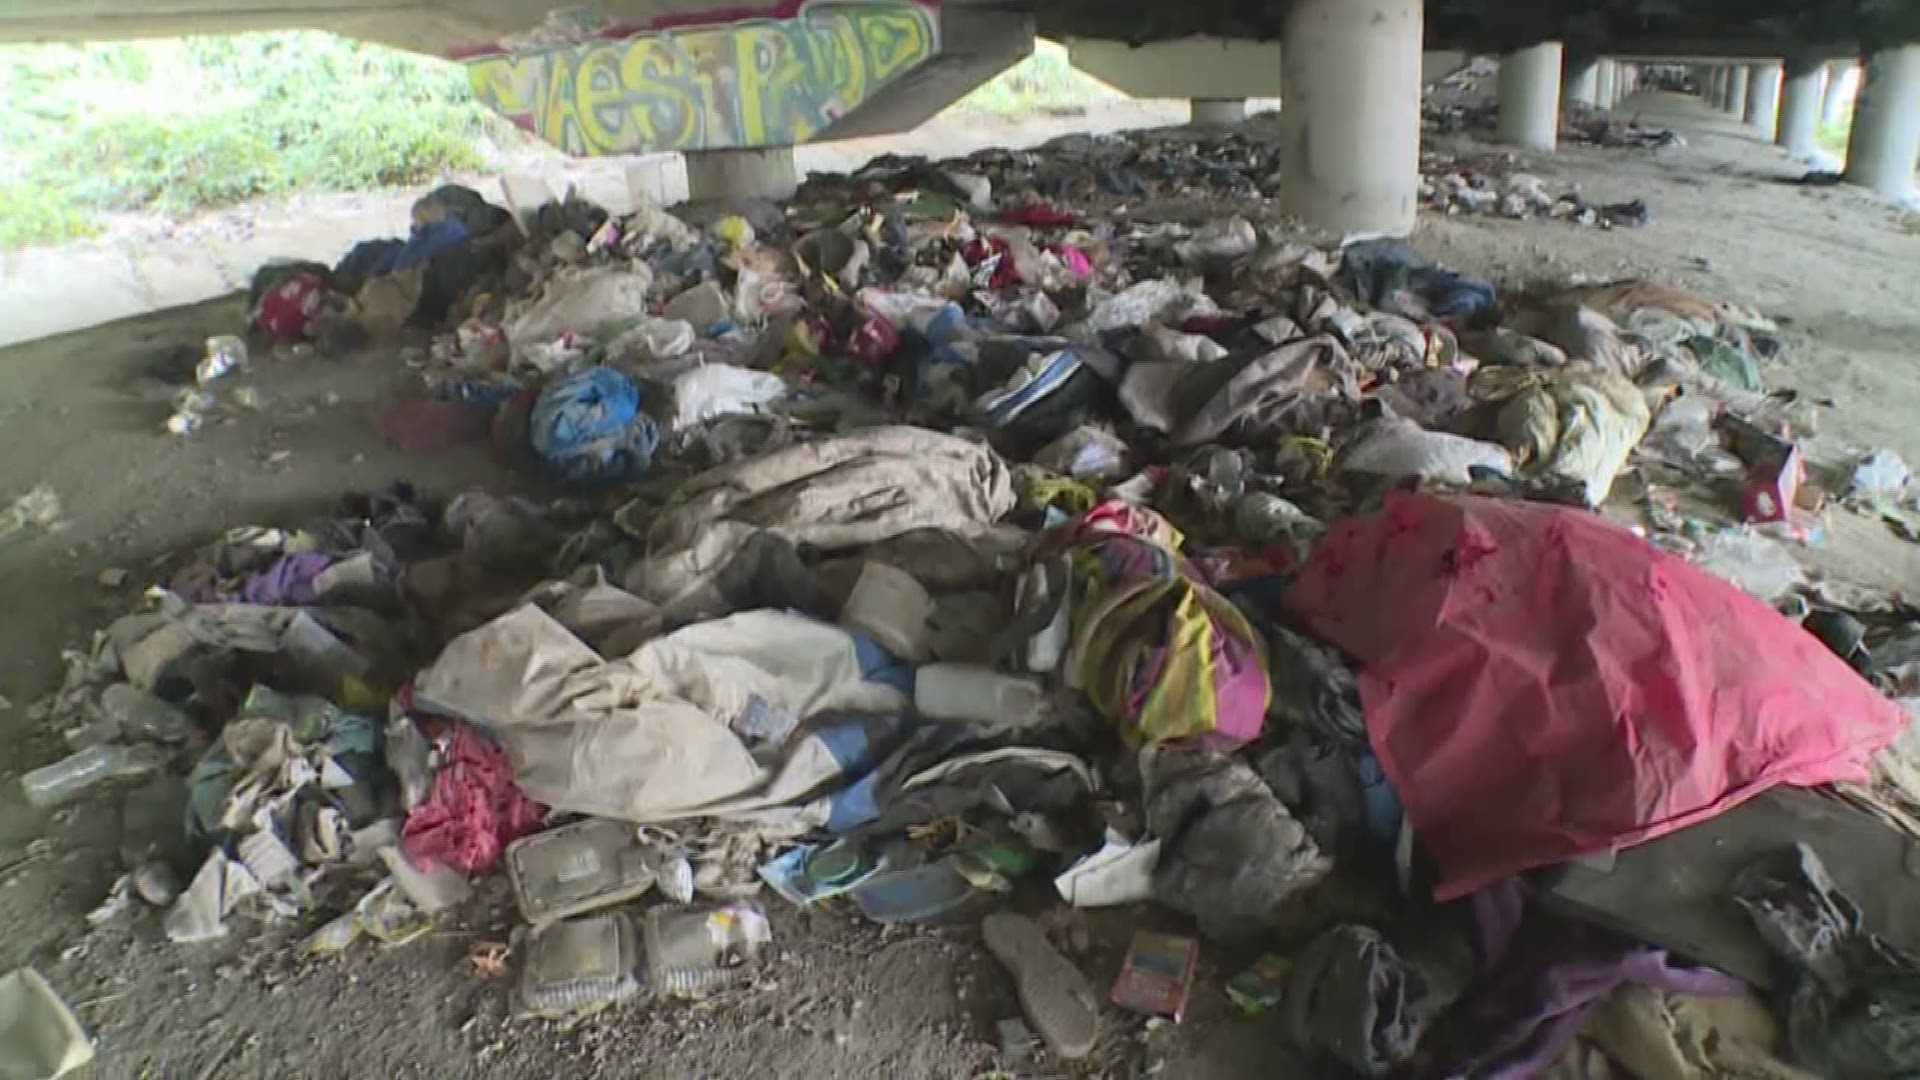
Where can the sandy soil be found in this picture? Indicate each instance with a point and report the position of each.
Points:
(844, 998)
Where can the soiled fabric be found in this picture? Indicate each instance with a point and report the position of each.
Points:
(1854, 1010)
(472, 810)
(1545, 976)
(859, 488)
(289, 581)
(599, 737)
(1541, 684)
(1577, 423)
(1231, 855)
(1352, 997)
(1661, 1035)
(1299, 386)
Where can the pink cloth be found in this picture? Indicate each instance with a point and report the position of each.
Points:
(473, 810)
(1540, 684)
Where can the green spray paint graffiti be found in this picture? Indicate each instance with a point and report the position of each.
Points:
(758, 82)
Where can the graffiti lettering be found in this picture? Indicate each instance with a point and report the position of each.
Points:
(761, 82)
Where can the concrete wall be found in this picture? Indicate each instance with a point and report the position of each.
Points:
(750, 83)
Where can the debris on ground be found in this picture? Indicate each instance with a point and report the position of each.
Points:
(953, 530)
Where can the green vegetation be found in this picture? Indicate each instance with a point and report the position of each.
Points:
(170, 127)
(1040, 83)
(1833, 137)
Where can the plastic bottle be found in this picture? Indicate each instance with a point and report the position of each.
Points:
(225, 353)
(54, 784)
(976, 694)
(139, 714)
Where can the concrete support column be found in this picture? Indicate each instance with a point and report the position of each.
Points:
(1607, 76)
(765, 173)
(1582, 79)
(1350, 131)
(1722, 86)
(1219, 111)
(1800, 107)
(1886, 123)
(1530, 97)
(1763, 98)
(1832, 97)
(1737, 80)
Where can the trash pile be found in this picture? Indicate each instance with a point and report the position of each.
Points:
(1482, 184)
(945, 547)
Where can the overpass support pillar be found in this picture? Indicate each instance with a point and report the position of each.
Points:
(1800, 107)
(1583, 83)
(765, 173)
(1763, 98)
(1219, 111)
(1722, 82)
(1833, 97)
(1530, 97)
(1886, 123)
(1608, 74)
(1737, 83)
(1350, 131)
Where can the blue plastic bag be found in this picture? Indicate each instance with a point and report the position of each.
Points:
(587, 427)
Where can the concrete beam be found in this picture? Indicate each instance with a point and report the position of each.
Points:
(741, 174)
(1799, 125)
(1530, 97)
(1194, 67)
(1350, 128)
(845, 70)
(1218, 112)
(1886, 123)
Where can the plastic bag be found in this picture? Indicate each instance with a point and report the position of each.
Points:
(1762, 567)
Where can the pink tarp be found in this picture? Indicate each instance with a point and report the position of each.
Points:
(1541, 684)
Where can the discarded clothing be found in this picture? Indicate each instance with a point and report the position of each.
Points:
(288, 582)
(1160, 652)
(1230, 853)
(1653, 694)
(1545, 976)
(1394, 449)
(1298, 388)
(472, 811)
(1353, 998)
(1576, 423)
(854, 489)
(1854, 1009)
(600, 737)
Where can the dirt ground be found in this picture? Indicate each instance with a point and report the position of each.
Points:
(80, 414)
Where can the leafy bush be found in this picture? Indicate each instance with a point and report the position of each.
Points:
(176, 126)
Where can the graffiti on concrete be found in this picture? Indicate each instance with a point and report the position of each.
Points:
(756, 82)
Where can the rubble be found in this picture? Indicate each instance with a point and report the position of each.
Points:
(956, 528)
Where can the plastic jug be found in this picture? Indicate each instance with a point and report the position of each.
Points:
(979, 695)
(51, 785)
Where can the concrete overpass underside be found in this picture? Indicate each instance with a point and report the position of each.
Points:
(736, 86)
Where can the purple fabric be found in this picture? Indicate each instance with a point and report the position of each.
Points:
(1541, 976)
(288, 582)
